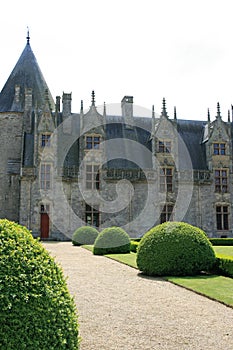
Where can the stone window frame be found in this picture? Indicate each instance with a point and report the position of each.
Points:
(45, 176)
(92, 176)
(164, 146)
(92, 215)
(166, 212)
(222, 213)
(92, 141)
(166, 179)
(221, 180)
(45, 140)
(219, 148)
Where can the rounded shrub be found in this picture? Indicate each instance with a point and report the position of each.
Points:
(175, 248)
(36, 309)
(84, 235)
(112, 240)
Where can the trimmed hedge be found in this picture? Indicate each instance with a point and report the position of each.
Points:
(221, 241)
(85, 235)
(175, 248)
(36, 309)
(134, 246)
(224, 265)
(112, 240)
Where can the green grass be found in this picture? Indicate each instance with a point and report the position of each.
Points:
(218, 288)
(225, 250)
(127, 259)
(215, 287)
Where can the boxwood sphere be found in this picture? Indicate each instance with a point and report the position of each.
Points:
(175, 248)
(112, 240)
(36, 309)
(84, 235)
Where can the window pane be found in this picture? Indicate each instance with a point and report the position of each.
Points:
(225, 222)
(219, 222)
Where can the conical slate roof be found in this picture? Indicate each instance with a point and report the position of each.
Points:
(26, 74)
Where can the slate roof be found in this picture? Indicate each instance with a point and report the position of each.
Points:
(126, 153)
(191, 132)
(26, 74)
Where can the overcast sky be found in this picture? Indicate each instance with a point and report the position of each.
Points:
(178, 49)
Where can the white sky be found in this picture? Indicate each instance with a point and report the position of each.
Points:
(178, 49)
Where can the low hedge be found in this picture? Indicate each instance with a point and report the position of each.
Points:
(224, 265)
(221, 241)
(36, 309)
(112, 240)
(134, 246)
(84, 235)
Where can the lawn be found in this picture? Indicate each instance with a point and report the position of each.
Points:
(215, 287)
(225, 250)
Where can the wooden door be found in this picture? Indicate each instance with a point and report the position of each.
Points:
(44, 225)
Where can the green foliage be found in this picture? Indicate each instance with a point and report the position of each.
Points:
(112, 240)
(84, 235)
(176, 249)
(36, 309)
(134, 246)
(221, 241)
(224, 265)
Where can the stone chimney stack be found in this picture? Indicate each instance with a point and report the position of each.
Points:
(66, 105)
(28, 99)
(28, 110)
(58, 103)
(127, 110)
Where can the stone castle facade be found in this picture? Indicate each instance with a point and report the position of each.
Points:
(60, 170)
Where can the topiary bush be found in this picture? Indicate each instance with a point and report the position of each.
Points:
(175, 248)
(36, 309)
(112, 240)
(85, 235)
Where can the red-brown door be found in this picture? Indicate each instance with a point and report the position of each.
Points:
(44, 225)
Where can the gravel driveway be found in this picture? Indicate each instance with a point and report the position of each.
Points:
(119, 309)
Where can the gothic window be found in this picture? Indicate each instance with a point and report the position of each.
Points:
(166, 213)
(92, 142)
(222, 217)
(44, 208)
(92, 177)
(221, 180)
(165, 177)
(219, 149)
(45, 140)
(92, 216)
(164, 146)
(45, 176)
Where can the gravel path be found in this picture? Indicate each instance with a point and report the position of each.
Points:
(120, 309)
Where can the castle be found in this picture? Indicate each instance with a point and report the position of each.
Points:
(60, 170)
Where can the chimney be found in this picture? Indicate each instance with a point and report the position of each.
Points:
(28, 99)
(127, 110)
(58, 99)
(66, 105)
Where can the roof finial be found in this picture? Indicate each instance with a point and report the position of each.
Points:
(153, 111)
(218, 111)
(93, 98)
(229, 116)
(175, 116)
(208, 114)
(28, 37)
(81, 109)
(104, 111)
(164, 111)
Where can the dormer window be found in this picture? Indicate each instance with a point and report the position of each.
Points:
(92, 142)
(45, 140)
(164, 146)
(219, 149)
